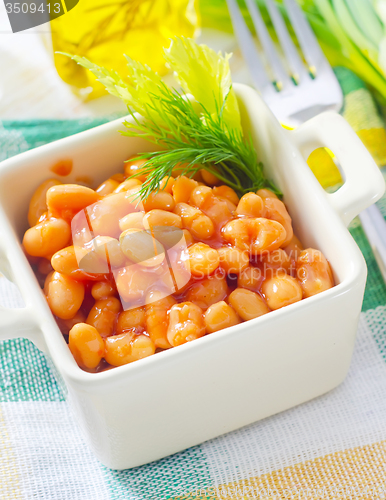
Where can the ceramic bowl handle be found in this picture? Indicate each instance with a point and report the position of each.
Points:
(363, 182)
(15, 323)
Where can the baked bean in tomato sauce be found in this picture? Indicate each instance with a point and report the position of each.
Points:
(127, 279)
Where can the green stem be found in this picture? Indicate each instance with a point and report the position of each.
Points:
(225, 180)
(227, 169)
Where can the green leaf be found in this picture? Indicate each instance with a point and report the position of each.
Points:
(367, 47)
(363, 67)
(367, 19)
(109, 78)
(137, 94)
(206, 75)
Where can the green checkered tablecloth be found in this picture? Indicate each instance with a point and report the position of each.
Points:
(333, 445)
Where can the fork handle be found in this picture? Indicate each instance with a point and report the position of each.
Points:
(363, 182)
(374, 226)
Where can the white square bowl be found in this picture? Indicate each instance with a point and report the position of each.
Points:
(160, 405)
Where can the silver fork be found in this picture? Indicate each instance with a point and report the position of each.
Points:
(295, 91)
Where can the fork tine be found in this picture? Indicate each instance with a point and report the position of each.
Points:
(307, 39)
(295, 62)
(247, 45)
(281, 75)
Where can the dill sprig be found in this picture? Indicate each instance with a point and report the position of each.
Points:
(197, 128)
(191, 141)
